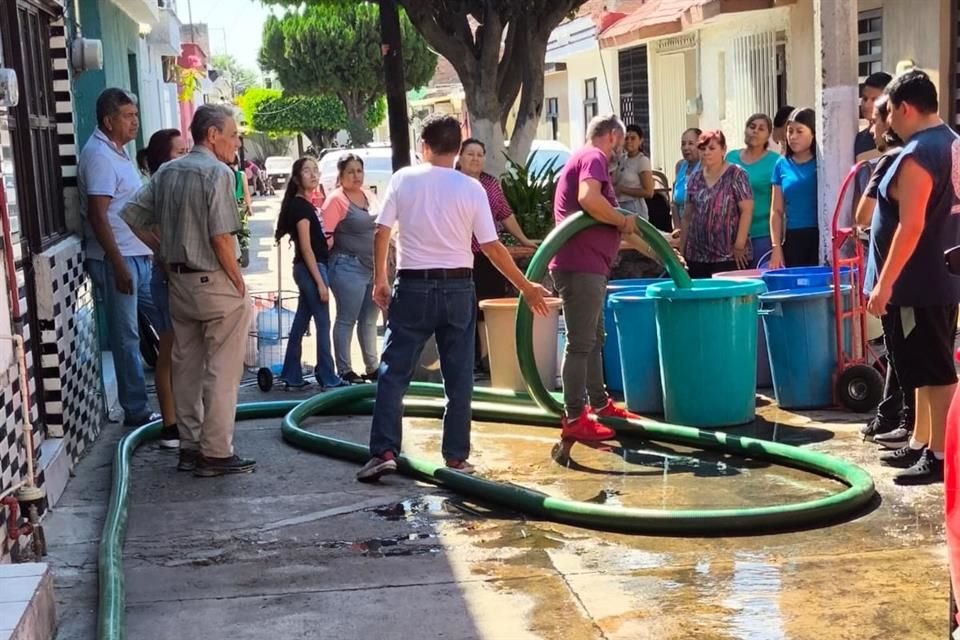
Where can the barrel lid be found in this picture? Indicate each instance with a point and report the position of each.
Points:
(803, 293)
(707, 289)
(637, 294)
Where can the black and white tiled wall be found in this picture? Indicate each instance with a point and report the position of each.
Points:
(69, 350)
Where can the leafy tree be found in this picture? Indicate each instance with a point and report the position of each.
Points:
(327, 49)
(240, 77)
(317, 117)
(498, 49)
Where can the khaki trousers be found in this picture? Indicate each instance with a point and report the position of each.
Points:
(210, 323)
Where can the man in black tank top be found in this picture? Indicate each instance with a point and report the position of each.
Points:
(911, 288)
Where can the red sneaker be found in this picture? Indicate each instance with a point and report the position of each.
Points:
(613, 411)
(585, 428)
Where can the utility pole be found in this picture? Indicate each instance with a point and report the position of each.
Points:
(835, 37)
(396, 87)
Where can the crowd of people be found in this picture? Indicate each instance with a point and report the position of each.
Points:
(165, 242)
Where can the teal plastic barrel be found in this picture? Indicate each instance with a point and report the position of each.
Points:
(611, 349)
(707, 338)
(636, 330)
(764, 377)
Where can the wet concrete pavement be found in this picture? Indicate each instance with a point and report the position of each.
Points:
(301, 550)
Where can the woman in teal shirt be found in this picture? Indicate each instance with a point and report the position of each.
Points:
(795, 197)
(758, 161)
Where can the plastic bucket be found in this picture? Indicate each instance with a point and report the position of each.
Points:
(764, 379)
(707, 338)
(500, 315)
(803, 278)
(611, 350)
(636, 330)
(803, 345)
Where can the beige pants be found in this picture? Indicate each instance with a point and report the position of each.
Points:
(210, 324)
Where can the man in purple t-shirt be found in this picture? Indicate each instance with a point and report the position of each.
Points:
(580, 271)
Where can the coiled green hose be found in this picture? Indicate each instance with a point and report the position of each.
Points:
(539, 408)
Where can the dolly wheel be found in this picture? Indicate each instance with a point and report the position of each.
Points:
(265, 379)
(860, 388)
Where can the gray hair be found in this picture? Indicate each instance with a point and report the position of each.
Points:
(110, 101)
(209, 115)
(602, 125)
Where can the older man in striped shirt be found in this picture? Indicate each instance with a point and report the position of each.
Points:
(192, 202)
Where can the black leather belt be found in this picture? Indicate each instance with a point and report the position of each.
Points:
(436, 274)
(179, 267)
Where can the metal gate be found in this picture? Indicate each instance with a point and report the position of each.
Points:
(635, 91)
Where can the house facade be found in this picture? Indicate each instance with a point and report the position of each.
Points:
(672, 64)
(45, 295)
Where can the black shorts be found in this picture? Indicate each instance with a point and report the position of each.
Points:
(920, 341)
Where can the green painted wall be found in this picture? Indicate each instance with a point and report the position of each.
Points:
(103, 20)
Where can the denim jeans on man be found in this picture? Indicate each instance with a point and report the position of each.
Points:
(420, 309)
(123, 329)
(352, 286)
(309, 306)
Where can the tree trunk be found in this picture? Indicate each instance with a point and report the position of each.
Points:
(357, 127)
(319, 138)
(531, 101)
(491, 82)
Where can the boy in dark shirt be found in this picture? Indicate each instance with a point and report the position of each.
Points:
(911, 289)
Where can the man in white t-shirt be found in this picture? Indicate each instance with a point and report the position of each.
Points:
(119, 264)
(634, 176)
(437, 209)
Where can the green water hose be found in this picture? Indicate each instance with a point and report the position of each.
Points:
(539, 408)
(538, 270)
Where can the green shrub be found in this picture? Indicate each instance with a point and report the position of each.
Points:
(530, 194)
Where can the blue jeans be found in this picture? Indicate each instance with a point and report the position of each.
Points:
(420, 309)
(309, 306)
(160, 291)
(352, 286)
(761, 247)
(124, 330)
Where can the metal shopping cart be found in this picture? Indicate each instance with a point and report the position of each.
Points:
(269, 331)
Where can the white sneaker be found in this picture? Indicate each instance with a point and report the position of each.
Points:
(377, 467)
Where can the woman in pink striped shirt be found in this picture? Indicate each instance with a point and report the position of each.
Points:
(488, 281)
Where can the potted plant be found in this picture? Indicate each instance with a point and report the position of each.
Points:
(529, 192)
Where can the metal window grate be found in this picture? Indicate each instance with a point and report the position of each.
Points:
(870, 42)
(635, 90)
(590, 105)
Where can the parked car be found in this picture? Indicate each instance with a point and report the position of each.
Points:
(545, 152)
(277, 170)
(377, 167)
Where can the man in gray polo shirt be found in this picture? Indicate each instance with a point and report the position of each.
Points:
(119, 264)
(192, 202)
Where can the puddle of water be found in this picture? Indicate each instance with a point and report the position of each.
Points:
(394, 546)
(413, 507)
(754, 598)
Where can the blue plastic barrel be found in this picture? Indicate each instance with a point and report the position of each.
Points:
(611, 350)
(639, 357)
(707, 339)
(803, 278)
(802, 343)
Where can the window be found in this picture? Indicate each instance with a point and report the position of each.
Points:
(590, 106)
(26, 39)
(870, 37)
(553, 116)
(635, 91)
